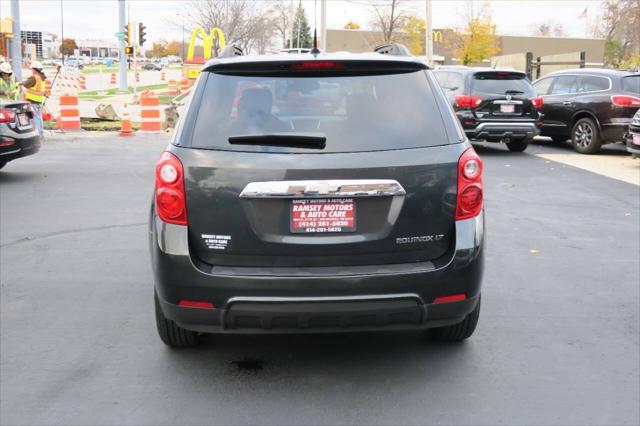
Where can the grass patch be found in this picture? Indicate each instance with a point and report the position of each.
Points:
(95, 95)
(94, 69)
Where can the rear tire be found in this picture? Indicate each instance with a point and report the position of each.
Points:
(460, 331)
(518, 145)
(171, 334)
(585, 136)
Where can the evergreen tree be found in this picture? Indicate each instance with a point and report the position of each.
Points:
(300, 23)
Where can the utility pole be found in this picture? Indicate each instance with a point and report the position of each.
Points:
(62, 29)
(428, 42)
(323, 25)
(122, 87)
(16, 43)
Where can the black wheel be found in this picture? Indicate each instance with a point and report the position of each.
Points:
(2, 164)
(585, 136)
(172, 334)
(518, 145)
(460, 331)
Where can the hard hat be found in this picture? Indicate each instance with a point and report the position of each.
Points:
(36, 64)
(5, 67)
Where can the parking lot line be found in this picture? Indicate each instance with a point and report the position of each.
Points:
(622, 168)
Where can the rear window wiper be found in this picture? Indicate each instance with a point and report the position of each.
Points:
(290, 140)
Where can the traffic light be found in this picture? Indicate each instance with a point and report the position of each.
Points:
(141, 34)
(128, 50)
(128, 34)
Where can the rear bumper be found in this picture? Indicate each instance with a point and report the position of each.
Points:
(316, 299)
(632, 147)
(21, 147)
(615, 130)
(497, 131)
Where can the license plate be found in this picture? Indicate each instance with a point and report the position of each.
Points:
(323, 215)
(636, 139)
(507, 109)
(23, 120)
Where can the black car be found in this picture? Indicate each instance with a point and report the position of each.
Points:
(273, 213)
(493, 105)
(18, 134)
(152, 67)
(633, 138)
(591, 107)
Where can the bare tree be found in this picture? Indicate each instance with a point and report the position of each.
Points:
(548, 29)
(242, 21)
(282, 13)
(389, 16)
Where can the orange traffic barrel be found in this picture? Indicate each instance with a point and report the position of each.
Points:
(113, 78)
(82, 82)
(137, 76)
(150, 113)
(47, 87)
(184, 85)
(163, 76)
(69, 113)
(125, 123)
(173, 88)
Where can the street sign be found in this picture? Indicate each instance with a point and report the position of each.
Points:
(120, 35)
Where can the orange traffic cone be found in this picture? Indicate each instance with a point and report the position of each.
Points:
(125, 124)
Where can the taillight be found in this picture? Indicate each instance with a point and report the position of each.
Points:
(625, 101)
(536, 102)
(469, 199)
(468, 101)
(7, 116)
(170, 195)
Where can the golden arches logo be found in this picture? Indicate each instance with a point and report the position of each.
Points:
(437, 36)
(207, 41)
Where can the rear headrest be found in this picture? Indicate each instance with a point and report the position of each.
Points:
(255, 100)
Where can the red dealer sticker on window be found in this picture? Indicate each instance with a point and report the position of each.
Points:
(323, 215)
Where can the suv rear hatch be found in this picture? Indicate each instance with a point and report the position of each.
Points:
(503, 95)
(310, 164)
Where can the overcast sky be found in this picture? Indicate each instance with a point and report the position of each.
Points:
(99, 18)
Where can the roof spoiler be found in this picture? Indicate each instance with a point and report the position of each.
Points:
(395, 49)
(230, 51)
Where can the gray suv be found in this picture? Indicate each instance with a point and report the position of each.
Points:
(317, 193)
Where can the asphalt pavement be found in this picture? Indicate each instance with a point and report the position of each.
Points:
(557, 343)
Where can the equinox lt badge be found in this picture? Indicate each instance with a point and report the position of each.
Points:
(419, 239)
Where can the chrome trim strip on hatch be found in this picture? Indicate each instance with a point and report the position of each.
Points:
(323, 188)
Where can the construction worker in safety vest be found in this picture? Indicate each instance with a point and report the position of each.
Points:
(35, 92)
(9, 89)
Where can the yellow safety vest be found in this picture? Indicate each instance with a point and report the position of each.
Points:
(9, 88)
(35, 93)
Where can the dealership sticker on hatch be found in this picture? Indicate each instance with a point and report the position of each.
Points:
(217, 242)
(323, 215)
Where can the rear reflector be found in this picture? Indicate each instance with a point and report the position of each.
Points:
(625, 101)
(192, 304)
(6, 142)
(452, 298)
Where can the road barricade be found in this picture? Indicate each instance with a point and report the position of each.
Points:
(113, 79)
(184, 85)
(69, 118)
(173, 88)
(150, 113)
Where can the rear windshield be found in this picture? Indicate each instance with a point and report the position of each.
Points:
(501, 83)
(631, 83)
(354, 113)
